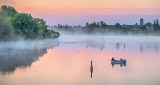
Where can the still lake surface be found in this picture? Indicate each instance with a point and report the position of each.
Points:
(67, 61)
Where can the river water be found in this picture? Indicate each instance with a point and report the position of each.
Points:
(67, 61)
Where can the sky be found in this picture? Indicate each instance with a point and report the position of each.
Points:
(81, 11)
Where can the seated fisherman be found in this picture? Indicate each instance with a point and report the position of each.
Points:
(113, 58)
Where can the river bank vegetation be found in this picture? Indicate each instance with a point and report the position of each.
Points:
(14, 25)
(103, 28)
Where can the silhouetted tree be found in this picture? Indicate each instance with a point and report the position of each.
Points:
(156, 25)
(118, 26)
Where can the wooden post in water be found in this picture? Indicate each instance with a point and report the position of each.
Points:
(91, 69)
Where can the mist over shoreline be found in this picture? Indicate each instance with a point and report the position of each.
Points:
(109, 38)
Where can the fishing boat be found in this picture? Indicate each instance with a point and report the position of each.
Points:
(121, 61)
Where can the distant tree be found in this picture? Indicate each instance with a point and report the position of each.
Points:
(157, 22)
(148, 24)
(118, 26)
(156, 25)
(103, 25)
(98, 24)
(94, 25)
(79, 26)
(136, 26)
(87, 24)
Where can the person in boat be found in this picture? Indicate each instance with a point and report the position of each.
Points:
(121, 59)
(113, 58)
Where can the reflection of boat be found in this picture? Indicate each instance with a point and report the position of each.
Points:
(121, 62)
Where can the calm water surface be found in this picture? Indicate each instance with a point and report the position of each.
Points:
(67, 61)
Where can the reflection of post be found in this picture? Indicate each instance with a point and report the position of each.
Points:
(141, 48)
(117, 46)
(91, 69)
(155, 48)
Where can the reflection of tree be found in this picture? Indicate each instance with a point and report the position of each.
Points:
(12, 58)
(141, 48)
(99, 44)
(156, 48)
(117, 46)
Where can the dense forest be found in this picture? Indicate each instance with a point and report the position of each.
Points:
(14, 25)
(103, 28)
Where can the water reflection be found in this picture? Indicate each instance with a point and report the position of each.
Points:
(99, 44)
(117, 46)
(156, 48)
(124, 46)
(103, 44)
(71, 60)
(141, 48)
(20, 57)
(121, 65)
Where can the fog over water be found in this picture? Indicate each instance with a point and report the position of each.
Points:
(110, 38)
(78, 56)
(66, 61)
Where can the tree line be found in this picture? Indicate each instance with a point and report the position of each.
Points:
(102, 27)
(14, 25)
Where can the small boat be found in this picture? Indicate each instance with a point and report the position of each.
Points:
(121, 61)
